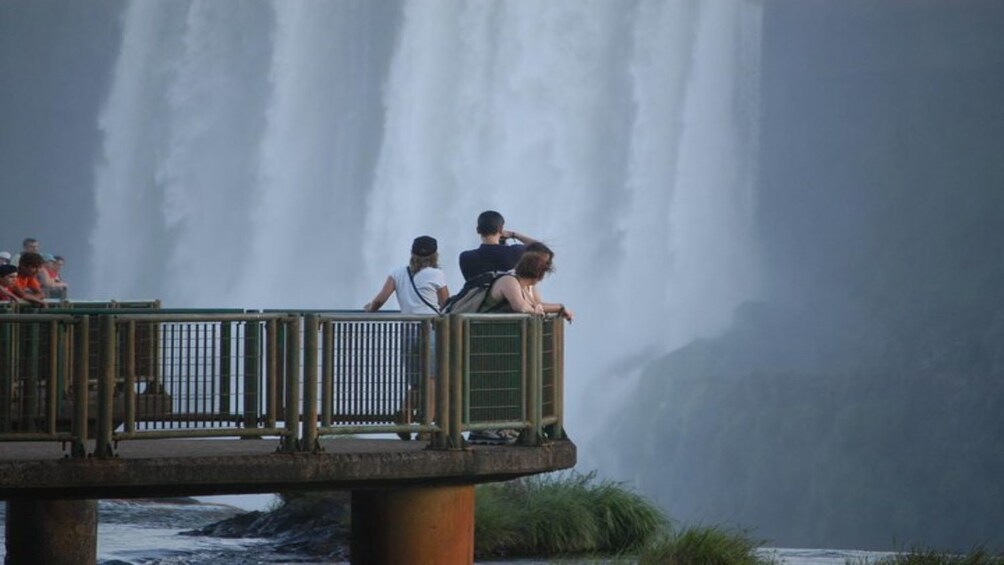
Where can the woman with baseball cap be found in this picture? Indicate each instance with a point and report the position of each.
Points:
(420, 287)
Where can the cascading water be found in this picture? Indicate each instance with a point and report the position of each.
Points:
(259, 155)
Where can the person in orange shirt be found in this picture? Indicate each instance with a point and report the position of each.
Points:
(8, 284)
(27, 278)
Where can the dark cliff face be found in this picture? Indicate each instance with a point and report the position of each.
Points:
(56, 60)
(857, 405)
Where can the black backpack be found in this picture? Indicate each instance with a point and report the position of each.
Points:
(472, 296)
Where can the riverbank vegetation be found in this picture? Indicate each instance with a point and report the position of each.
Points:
(931, 557)
(560, 515)
(704, 546)
(574, 515)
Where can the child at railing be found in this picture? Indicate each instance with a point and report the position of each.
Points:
(8, 286)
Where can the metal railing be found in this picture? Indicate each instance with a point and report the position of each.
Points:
(371, 373)
(129, 373)
(41, 384)
(211, 376)
(507, 374)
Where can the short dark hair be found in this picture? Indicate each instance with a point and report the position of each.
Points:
(490, 222)
(27, 241)
(533, 266)
(30, 259)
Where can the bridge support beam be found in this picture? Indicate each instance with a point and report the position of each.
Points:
(52, 532)
(418, 525)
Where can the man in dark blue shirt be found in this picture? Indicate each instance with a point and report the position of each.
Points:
(493, 254)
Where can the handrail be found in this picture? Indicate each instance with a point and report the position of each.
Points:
(35, 382)
(128, 374)
(376, 373)
(212, 383)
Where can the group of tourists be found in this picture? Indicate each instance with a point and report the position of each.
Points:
(31, 276)
(510, 273)
(498, 277)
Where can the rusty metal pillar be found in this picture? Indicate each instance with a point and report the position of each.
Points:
(430, 525)
(53, 532)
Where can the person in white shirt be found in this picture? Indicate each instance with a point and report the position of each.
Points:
(427, 294)
(420, 287)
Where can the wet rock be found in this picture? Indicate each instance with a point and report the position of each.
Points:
(311, 524)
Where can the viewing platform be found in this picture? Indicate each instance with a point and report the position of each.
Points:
(118, 400)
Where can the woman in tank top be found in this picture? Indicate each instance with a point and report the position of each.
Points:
(519, 290)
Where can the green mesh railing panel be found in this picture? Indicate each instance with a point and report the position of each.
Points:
(494, 375)
(548, 374)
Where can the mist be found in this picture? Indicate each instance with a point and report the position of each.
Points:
(856, 402)
(776, 221)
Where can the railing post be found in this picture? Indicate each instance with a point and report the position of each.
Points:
(106, 388)
(310, 331)
(81, 360)
(456, 381)
(29, 388)
(533, 381)
(292, 383)
(252, 373)
(272, 355)
(427, 357)
(558, 350)
(8, 373)
(444, 367)
(129, 394)
(52, 386)
(328, 373)
(226, 351)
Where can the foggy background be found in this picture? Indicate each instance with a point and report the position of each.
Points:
(778, 221)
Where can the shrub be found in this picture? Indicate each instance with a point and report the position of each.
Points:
(562, 514)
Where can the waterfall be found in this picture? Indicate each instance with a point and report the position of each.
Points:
(285, 154)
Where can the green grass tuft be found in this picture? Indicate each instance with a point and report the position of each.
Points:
(704, 546)
(564, 514)
(977, 556)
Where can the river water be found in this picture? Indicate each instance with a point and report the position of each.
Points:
(149, 532)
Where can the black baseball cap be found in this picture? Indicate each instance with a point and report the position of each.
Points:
(423, 246)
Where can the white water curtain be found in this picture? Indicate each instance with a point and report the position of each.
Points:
(285, 154)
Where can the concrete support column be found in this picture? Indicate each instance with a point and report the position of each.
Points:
(431, 525)
(53, 532)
